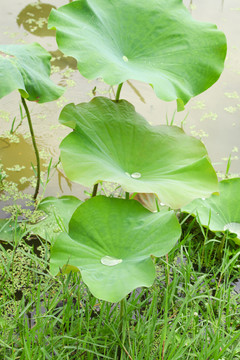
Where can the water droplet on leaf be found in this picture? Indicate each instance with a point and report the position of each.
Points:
(125, 58)
(136, 175)
(233, 227)
(110, 261)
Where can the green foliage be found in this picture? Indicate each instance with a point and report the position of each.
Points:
(56, 216)
(220, 212)
(154, 41)
(111, 241)
(189, 312)
(111, 142)
(10, 230)
(27, 68)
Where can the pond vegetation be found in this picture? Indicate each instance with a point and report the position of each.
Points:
(147, 266)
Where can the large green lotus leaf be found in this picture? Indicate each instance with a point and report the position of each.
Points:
(58, 212)
(154, 41)
(27, 68)
(111, 241)
(111, 142)
(220, 212)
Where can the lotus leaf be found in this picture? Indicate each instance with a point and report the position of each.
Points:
(111, 142)
(111, 241)
(27, 68)
(220, 212)
(58, 214)
(154, 41)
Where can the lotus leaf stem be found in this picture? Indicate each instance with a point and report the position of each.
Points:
(94, 192)
(34, 146)
(118, 92)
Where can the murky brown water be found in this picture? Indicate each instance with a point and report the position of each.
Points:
(214, 116)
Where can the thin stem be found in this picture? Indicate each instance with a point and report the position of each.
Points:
(127, 195)
(221, 246)
(34, 146)
(94, 192)
(121, 310)
(118, 91)
(157, 205)
(121, 329)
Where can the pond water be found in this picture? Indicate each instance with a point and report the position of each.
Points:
(213, 116)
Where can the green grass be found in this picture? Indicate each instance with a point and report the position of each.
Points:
(191, 311)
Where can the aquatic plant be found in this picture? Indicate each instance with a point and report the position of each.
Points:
(26, 68)
(159, 43)
(111, 241)
(220, 212)
(114, 242)
(99, 150)
(55, 216)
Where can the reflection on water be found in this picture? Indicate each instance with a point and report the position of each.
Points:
(61, 177)
(62, 61)
(34, 19)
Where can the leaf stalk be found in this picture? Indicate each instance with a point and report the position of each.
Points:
(34, 146)
(94, 192)
(118, 92)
